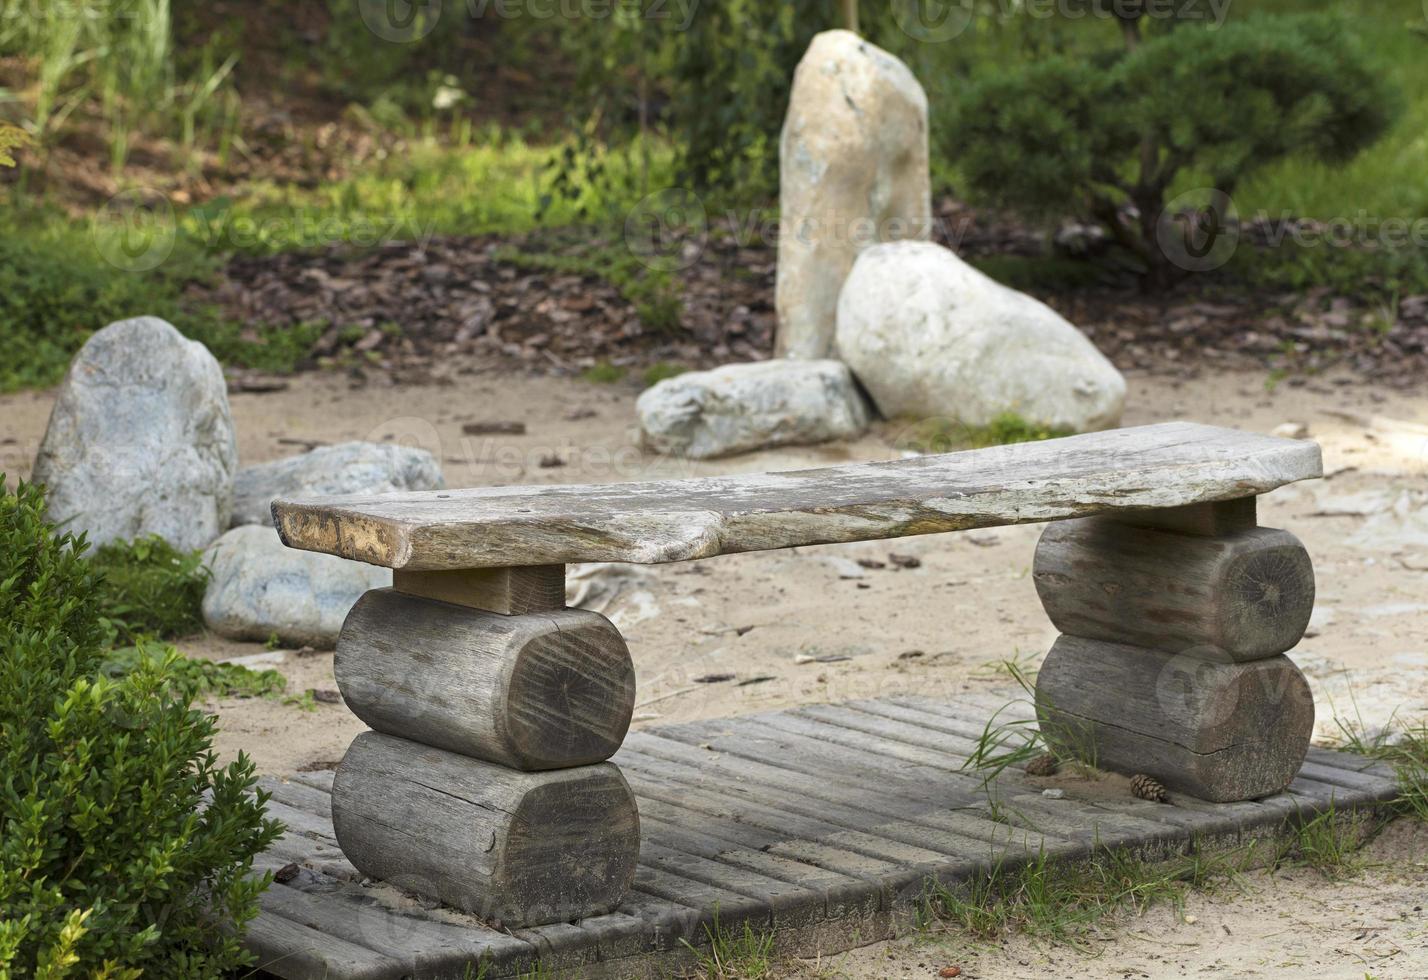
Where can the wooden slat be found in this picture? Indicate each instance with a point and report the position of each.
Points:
(841, 894)
(1176, 464)
(878, 799)
(293, 951)
(417, 939)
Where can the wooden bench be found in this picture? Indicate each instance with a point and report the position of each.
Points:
(483, 783)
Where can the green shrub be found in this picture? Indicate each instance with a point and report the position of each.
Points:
(148, 588)
(196, 678)
(110, 864)
(56, 289)
(1068, 136)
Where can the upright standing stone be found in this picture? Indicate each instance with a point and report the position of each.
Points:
(853, 172)
(140, 439)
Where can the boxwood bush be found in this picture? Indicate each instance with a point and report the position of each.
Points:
(111, 864)
(1106, 139)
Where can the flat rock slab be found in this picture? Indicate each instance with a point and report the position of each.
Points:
(823, 824)
(1175, 464)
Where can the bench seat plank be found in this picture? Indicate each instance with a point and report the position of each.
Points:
(1174, 464)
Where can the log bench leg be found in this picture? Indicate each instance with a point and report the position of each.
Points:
(483, 783)
(1171, 660)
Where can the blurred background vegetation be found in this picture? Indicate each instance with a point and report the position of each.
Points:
(271, 127)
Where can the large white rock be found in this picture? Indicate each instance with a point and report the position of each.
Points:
(140, 439)
(741, 407)
(930, 336)
(853, 171)
(261, 588)
(350, 467)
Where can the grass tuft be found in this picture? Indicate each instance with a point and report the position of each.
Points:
(944, 435)
(198, 679)
(1065, 901)
(1405, 748)
(735, 955)
(150, 589)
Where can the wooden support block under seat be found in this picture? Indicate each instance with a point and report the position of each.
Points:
(512, 591)
(546, 690)
(1213, 520)
(525, 849)
(1249, 595)
(1220, 731)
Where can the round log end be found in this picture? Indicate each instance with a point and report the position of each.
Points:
(520, 848)
(1268, 590)
(1200, 723)
(571, 694)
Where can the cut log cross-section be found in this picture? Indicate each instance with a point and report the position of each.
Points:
(522, 848)
(1246, 595)
(545, 690)
(1219, 731)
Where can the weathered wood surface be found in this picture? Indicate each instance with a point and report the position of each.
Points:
(821, 823)
(546, 690)
(1247, 595)
(1206, 520)
(521, 848)
(510, 591)
(1220, 731)
(1176, 464)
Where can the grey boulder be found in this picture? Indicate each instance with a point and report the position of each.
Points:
(931, 337)
(140, 440)
(261, 588)
(742, 407)
(351, 467)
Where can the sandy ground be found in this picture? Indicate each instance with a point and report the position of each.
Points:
(941, 627)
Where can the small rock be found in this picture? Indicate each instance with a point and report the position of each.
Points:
(351, 467)
(494, 429)
(140, 440)
(260, 588)
(950, 971)
(742, 407)
(714, 678)
(1291, 430)
(1054, 794)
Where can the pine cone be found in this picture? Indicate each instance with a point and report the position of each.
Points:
(1145, 787)
(1042, 765)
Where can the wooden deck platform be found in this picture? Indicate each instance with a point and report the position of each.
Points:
(822, 823)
